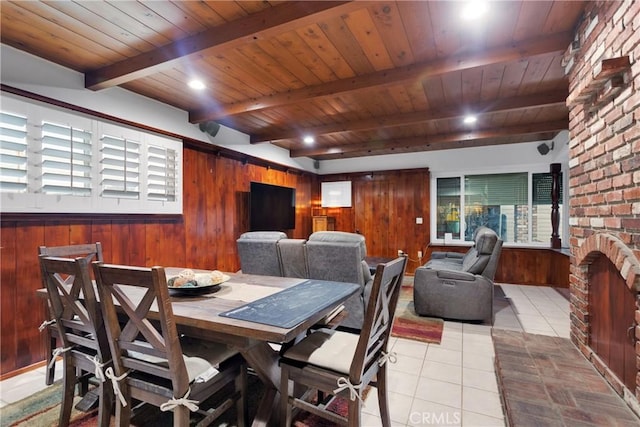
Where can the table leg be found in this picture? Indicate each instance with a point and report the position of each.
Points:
(264, 361)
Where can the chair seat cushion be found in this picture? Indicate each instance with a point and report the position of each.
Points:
(201, 358)
(326, 348)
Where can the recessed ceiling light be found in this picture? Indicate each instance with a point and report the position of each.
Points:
(474, 9)
(468, 120)
(308, 140)
(197, 84)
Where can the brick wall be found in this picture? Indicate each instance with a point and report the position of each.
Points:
(604, 160)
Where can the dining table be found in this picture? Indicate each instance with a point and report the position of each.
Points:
(254, 315)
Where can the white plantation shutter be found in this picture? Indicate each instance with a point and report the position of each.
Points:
(120, 167)
(56, 161)
(66, 160)
(161, 173)
(13, 153)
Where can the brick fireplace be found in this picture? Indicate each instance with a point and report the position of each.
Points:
(604, 168)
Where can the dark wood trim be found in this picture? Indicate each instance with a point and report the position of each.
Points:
(75, 217)
(22, 370)
(350, 176)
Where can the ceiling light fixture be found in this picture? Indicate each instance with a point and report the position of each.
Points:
(473, 10)
(308, 140)
(469, 120)
(197, 84)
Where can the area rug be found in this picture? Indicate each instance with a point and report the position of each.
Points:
(42, 409)
(409, 325)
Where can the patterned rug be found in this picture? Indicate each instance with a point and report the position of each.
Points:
(408, 324)
(43, 408)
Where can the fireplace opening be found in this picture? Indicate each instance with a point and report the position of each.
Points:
(612, 325)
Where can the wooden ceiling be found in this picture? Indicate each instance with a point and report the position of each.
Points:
(363, 78)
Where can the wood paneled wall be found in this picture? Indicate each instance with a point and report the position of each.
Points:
(215, 214)
(385, 207)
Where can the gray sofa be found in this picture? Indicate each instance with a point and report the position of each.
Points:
(327, 255)
(459, 286)
(258, 251)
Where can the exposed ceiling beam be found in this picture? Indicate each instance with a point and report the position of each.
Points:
(436, 146)
(425, 141)
(506, 104)
(554, 43)
(267, 23)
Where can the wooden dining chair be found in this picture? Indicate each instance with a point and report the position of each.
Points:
(91, 251)
(151, 362)
(80, 327)
(338, 363)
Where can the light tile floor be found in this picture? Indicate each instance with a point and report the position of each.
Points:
(448, 384)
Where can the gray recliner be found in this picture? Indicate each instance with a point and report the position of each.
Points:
(259, 254)
(339, 256)
(456, 286)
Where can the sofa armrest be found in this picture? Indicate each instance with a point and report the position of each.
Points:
(423, 275)
(456, 275)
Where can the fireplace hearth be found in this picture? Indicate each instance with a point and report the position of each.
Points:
(605, 311)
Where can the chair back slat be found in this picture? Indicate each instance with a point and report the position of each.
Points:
(378, 321)
(75, 319)
(91, 251)
(159, 333)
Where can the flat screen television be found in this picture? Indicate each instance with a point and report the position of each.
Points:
(271, 207)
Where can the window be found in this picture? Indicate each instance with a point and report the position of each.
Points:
(55, 161)
(448, 202)
(541, 204)
(499, 202)
(517, 206)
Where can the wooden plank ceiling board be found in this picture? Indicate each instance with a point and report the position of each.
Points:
(364, 78)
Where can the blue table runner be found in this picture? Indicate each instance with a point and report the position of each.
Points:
(289, 307)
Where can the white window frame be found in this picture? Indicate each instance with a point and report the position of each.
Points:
(530, 170)
(35, 201)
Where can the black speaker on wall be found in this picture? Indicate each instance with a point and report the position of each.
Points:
(544, 148)
(210, 127)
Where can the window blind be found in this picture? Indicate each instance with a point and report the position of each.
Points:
(66, 160)
(161, 173)
(120, 167)
(542, 188)
(499, 189)
(13, 153)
